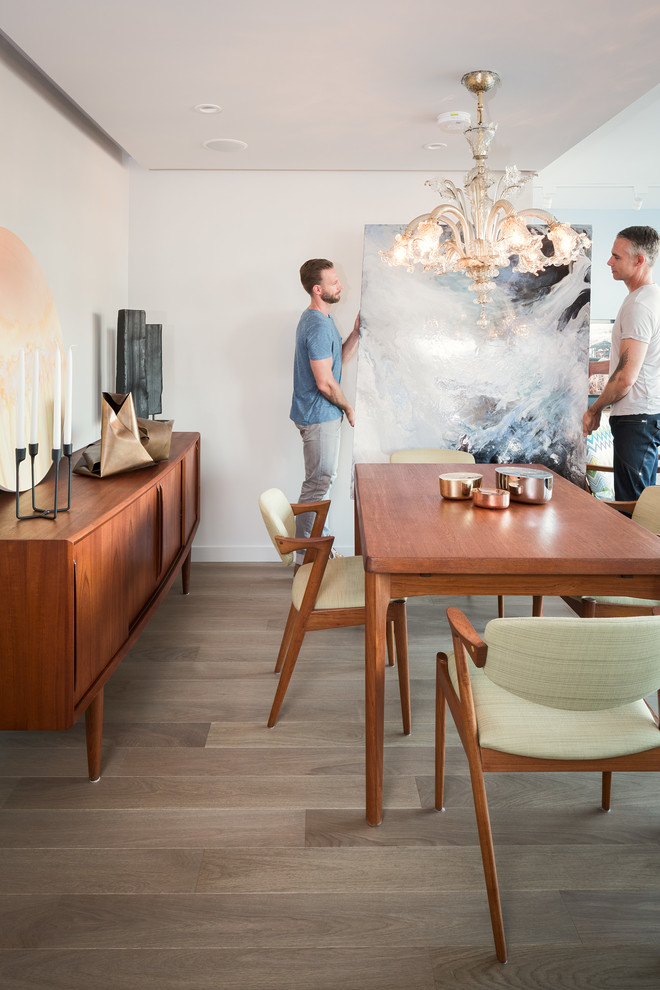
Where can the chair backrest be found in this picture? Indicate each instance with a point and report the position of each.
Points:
(431, 455)
(278, 517)
(647, 509)
(575, 664)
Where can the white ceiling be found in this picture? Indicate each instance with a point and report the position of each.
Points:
(355, 84)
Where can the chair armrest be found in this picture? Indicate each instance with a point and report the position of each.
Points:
(320, 509)
(626, 507)
(463, 631)
(317, 553)
(288, 544)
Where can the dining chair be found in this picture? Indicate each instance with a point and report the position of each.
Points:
(645, 512)
(431, 455)
(327, 593)
(547, 694)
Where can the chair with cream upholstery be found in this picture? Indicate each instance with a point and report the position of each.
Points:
(547, 694)
(645, 512)
(327, 592)
(431, 455)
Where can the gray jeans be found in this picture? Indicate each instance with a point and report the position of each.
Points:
(321, 456)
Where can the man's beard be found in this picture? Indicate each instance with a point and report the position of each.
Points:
(327, 298)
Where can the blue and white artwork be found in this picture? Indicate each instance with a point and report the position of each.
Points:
(428, 376)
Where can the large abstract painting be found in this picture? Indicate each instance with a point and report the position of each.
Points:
(428, 376)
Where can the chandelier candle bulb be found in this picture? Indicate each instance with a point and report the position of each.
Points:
(34, 416)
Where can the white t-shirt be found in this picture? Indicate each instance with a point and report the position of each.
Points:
(639, 319)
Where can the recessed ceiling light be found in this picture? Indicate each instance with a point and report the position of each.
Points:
(435, 146)
(208, 108)
(225, 144)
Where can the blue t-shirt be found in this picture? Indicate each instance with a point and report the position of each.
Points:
(317, 338)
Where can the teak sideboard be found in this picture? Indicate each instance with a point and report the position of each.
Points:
(77, 591)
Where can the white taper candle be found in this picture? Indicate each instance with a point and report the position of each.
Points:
(68, 408)
(57, 402)
(20, 403)
(34, 418)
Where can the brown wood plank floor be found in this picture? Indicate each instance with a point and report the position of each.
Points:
(216, 854)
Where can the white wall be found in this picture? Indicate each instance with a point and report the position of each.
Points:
(214, 257)
(64, 192)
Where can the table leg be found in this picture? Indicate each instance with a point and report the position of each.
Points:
(377, 597)
(357, 544)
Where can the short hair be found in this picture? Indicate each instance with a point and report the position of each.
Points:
(310, 272)
(644, 240)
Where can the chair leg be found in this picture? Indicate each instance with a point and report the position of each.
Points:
(537, 605)
(286, 636)
(400, 625)
(391, 652)
(487, 855)
(440, 723)
(607, 790)
(295, 642)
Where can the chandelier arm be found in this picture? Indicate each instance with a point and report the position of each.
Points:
(533, 211)
(458, 195)
(508, 210)
(493, 219)
(412, 226)
(461, 231)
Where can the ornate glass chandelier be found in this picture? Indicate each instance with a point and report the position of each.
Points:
(472, 233)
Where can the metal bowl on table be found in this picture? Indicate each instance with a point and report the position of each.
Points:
(525, 484)
(459, 484)
(491, 498)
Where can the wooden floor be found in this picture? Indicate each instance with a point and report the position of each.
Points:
(216, 853)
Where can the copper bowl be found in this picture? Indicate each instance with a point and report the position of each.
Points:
(459, 484)
(491, 498)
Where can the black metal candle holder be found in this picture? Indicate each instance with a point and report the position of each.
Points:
(57, 455)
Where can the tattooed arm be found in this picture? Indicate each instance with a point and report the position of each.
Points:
(619, 383)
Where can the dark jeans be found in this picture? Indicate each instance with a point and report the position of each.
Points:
(636, 441)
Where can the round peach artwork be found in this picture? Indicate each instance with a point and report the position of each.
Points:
(28, 322)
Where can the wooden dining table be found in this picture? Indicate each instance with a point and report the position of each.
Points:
(414, 542)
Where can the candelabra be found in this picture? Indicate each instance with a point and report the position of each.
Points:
(57, 454)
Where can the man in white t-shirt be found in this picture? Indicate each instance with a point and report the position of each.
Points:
(633, 388)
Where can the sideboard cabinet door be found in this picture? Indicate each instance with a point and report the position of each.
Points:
(169, 495)
(116, 574)
(191, 488)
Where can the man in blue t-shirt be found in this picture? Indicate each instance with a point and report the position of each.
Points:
(318, 403)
